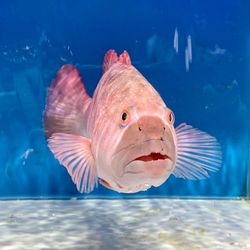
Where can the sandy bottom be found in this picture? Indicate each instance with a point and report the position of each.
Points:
(125, 224)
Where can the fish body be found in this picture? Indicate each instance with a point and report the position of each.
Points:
(124, 136)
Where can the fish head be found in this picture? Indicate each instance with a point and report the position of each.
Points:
(143, 153)
(146, 153)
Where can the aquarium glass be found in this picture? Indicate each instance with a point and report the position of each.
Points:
(208, 88)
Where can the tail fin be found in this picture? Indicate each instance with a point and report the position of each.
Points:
(67, 101)
(111, 58)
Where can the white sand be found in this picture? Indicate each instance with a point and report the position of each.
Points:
(125, 224)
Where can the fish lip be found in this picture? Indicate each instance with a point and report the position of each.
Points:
(165, 156)
(152, 154)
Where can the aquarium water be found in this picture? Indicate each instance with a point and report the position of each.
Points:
(195, 54)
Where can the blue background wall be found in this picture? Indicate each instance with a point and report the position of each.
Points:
(37, 37)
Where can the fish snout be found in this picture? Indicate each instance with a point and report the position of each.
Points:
(152, 127)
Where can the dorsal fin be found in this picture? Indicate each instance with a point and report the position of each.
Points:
(125, 58)
(111, 58)
(67, 101)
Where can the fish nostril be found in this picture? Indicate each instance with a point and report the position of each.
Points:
(164, 128)
(140, 128)
(161, 138)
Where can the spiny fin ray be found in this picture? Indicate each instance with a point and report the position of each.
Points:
(197, 153)
(79, 160)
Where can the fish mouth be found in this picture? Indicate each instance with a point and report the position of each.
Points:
(145, 157)
(145, 162)
(152, 157)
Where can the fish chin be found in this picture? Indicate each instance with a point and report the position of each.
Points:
(138, 188)
(140, 176)
(143, 185)
(153, 169)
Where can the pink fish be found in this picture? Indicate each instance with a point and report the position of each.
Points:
(124, 136)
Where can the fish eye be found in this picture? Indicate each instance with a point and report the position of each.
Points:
(171, 117)
(124, 116)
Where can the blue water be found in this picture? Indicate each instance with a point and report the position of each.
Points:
(37, 37)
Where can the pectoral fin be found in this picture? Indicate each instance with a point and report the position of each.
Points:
(197, 153)
(74, 153)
